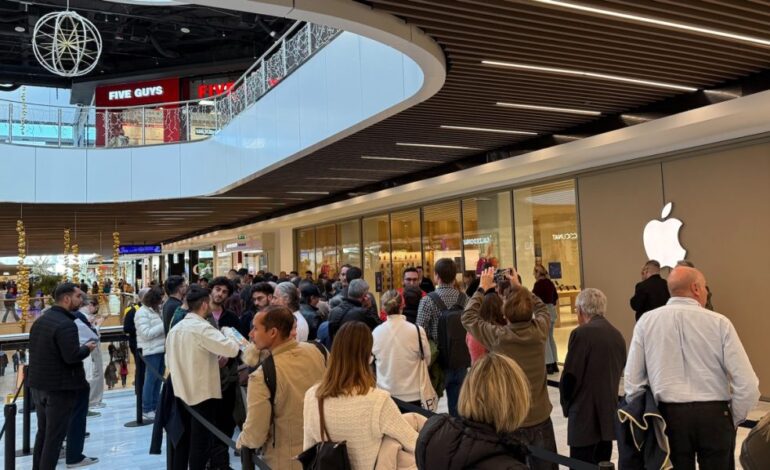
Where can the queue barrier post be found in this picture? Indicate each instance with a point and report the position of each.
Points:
(10, 436)
(606, 466)
(26, 417)
(247, 459)
(138, 386)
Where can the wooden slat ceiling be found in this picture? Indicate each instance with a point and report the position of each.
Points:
(469, 31)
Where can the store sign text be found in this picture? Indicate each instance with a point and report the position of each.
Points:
(141, 92)
(478, 241)
(206, 90)
(565, 236)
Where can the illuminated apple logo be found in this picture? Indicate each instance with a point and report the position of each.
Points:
(661, 239)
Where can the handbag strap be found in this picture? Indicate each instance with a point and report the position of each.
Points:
(324, 433)
(419, 341)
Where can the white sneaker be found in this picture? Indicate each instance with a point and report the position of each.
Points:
(149, 415)
(86, 461)
(101, 404)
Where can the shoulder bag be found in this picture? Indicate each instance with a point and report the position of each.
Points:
(428, 396)
(327, 454)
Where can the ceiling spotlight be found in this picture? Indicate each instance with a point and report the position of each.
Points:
(19, 29)
(184, 29)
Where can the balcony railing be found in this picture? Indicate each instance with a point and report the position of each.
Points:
(164, 123)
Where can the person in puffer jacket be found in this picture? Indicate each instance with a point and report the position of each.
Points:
(494, 401)
(151, 340)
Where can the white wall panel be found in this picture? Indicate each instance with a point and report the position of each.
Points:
(17, 178)
(313, 112)
(155, 172)
(287, 118)
(61, 175)
(343, 72)
(103, 168)
(382, 82)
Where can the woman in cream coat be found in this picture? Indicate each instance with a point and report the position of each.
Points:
(151, 340)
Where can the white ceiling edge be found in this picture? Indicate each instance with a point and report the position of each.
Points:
(716, 123)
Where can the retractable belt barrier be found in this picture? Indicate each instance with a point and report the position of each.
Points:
(9, 426)
(538, 452)
(249, 459)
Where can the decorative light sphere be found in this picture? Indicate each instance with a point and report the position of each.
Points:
(66, 44)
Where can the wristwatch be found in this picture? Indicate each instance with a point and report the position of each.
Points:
(480, 289)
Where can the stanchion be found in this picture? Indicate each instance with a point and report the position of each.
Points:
(10, 436)
(247, 459)
(26, 411)
(606, 466)
(138, 386)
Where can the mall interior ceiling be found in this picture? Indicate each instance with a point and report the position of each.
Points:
(535, 72)
(139, 39)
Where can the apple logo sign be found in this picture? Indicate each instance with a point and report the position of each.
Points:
(661, 239)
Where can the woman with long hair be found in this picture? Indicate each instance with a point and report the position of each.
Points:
(545, 289)
(151, 339)
(491, 311)
(494, 401)
(355, 410)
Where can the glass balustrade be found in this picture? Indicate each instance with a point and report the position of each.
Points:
(182, 121)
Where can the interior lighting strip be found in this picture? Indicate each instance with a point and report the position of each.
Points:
(436, 146)
(322, 193)
(582, 73)
(657, 22)
(483, 129)
(337, 178)
(400, 159)
(584, 112)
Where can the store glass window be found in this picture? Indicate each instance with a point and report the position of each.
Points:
(306, 250)
(547, 235)
(326, 250)
(348, 244)
(377, 268)
(405, 243)
(441, 235)
(488, 231)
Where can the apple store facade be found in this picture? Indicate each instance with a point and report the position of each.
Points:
(593, 229)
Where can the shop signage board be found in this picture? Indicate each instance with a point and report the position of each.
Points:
(139, 249)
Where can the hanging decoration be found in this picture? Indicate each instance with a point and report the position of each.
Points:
(24, 111)
(22, 277)
(100, 280)
(66, 43)
(67, 247)
(75, 263)
(115, 260)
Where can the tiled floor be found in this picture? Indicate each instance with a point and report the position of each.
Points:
(119, 447)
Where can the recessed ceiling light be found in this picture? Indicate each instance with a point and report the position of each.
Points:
(655, 21)
(436, 146)
(367, 170)
(581, 73)
(483, 129)
(19, 29)
(566, 137)
(400, 159)
(184, 29)
(337, 178)
(232, 197)
(549, 108)
(308, 192)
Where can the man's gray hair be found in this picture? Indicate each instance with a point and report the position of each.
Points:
(357, 288)
(591, 302)
(288, 291)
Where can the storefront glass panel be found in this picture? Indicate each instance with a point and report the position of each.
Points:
(377, 266)
(306, 250)
(487, 231)
(326, 250)
(405, 243)
(348, 244)
(547, 235)
(441, 237)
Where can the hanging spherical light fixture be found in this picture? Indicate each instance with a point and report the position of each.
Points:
(66, 43)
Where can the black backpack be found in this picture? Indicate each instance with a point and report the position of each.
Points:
(452, 349)
(268, 371)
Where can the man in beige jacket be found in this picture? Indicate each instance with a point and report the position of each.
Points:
(298, 367)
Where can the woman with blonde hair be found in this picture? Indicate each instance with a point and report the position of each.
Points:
(494, 401)
(355, 410)
(399, 347)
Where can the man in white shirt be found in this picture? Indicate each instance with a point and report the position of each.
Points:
(697, 369)
(192, 350)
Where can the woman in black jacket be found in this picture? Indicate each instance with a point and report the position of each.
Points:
(494, 400)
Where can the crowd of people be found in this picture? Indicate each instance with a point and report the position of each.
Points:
(284, 363)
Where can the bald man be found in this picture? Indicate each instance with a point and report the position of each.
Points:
(695, 365)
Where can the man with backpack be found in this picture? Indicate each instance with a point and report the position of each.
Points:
(276, 391)
(440, 315)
